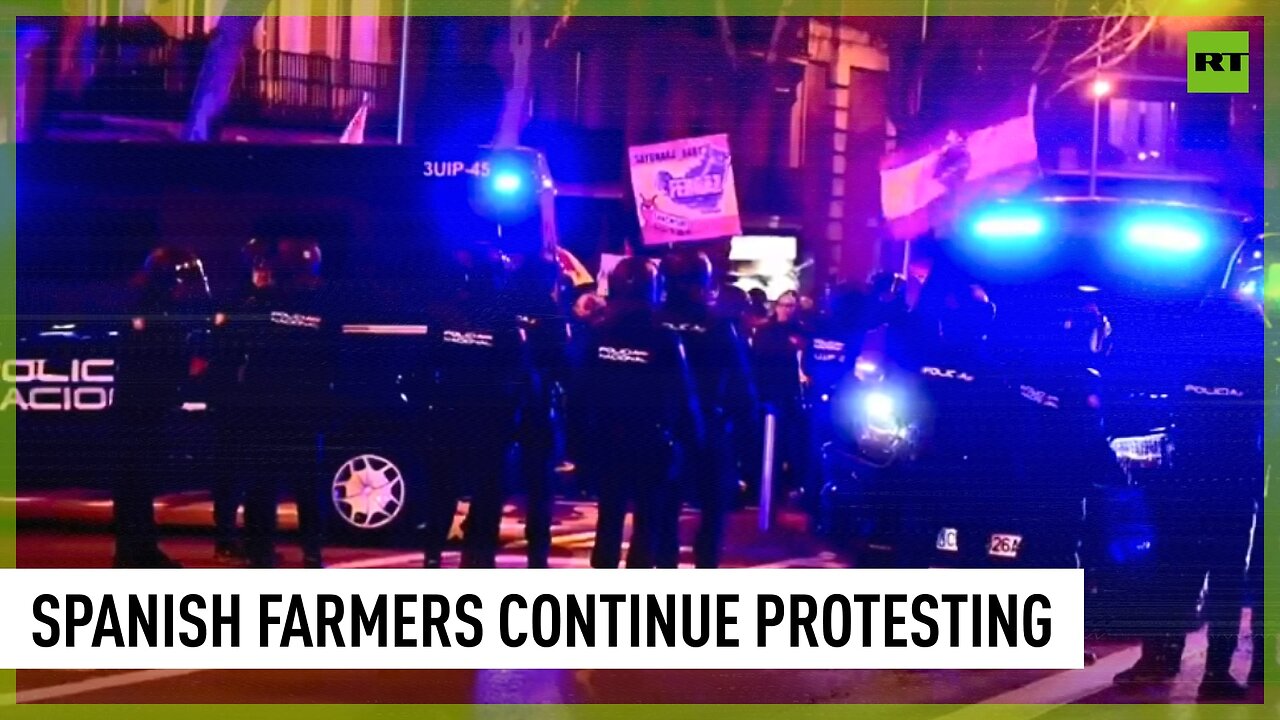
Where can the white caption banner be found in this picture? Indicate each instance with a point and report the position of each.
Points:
(1042, 611)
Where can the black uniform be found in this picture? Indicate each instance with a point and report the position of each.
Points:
(956, 392)
(227, 484)
(829, 360)
(726, 393)
(281, 407)
(546, 330)
(776, 349)
(1204, 508)
(639, 398)
(1053, 426)
(154, 364)
(482, 382)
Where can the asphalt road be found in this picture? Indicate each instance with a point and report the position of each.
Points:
(67, 530)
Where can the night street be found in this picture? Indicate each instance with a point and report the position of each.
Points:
(972, 304)
(186, 518)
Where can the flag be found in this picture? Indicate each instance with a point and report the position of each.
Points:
(354, 134)
(918, 190)
(573, 268)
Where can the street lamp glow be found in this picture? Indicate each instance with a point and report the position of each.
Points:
(1101, 87)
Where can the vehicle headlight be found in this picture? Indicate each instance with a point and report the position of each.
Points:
(1142, 451)
(881, 432)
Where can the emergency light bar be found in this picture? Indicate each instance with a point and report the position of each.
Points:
(1009, 226)
(1164, 236)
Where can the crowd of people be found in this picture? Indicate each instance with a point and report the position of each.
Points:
(663, 386)
(657, 392)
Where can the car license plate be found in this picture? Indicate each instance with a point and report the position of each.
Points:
(947, 540)
(1005, 546)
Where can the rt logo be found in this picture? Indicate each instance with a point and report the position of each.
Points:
(1217, 62)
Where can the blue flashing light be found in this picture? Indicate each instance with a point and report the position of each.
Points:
(1164, 237)
(1009, 226)
(507, 183)
(879, 408)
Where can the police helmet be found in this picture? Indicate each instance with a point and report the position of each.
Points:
(845, 303)
(1087, 330)
(634, 280)
(299, 257)
(537, 275)
(732, 301)
(965, 315)
(171, 277)
(484, 270)
(686, 273)
(289, 262)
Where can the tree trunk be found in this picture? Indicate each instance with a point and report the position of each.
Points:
(218, 70)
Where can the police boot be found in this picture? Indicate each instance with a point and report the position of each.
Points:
(431, 560)
(229, 552)
(264, 558)
(152, 560)
(1160, 662)
(312, 561)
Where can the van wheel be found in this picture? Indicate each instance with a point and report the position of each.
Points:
(373, 495)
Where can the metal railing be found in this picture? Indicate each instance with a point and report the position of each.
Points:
(313, 90)
(156, 78)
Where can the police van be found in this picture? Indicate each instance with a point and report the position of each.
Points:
(386, 219)
(1144, 266)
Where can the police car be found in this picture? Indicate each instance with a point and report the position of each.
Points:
(385, 218)
(1144, 264)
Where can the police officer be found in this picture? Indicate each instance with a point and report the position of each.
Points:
(228, 481)
(171, 303)
(1050, 355)
(944, 349)
(546, 330)
(1204, 510)
(829, 360)
(640, 400)
(726, 392)
(285, 339)
(482, 383)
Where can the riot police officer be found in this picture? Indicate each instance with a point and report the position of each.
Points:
(726, 393)
(547, 332)
(482, 382)
(171, 303)
(1204, 510)
(829, 359)
(943, 348)
(228, 482)
(1050, 352)
(284, 339)
(639, 397)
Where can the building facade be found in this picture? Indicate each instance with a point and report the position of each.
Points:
(803, 100)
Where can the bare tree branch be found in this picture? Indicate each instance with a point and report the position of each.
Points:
(726, 32)
(1047, 51)
(779, 25)
(1111, 27)
(1130, 46)
(562, 24)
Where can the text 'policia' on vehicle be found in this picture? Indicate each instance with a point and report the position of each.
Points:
(979, 440)
(385, 217)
